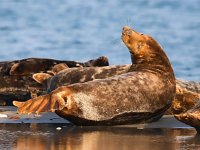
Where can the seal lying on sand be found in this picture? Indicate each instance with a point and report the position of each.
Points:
(187, 96)
(16, 81)
(191, 115)
(141, 95)
(187, 92)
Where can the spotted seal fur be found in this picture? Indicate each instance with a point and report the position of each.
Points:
(191, 113)
(187, 92)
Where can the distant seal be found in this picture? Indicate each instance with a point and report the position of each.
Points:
(16, 82)
(141, 95)
(19, 88)
(34, 65)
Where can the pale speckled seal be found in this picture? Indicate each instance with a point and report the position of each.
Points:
(191, 109)
(16, 82)
(191, 117)
(187, 92)
(141, 95)
(187, 96)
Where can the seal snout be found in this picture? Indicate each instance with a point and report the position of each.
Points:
(126, 30)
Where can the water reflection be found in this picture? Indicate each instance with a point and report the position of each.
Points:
(45, 136)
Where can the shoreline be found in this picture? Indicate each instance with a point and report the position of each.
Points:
(9, 115)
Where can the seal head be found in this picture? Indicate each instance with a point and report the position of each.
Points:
(147, 54)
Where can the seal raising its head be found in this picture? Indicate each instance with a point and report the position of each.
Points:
(142, 94)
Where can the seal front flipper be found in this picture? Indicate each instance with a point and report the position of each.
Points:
(46, 103)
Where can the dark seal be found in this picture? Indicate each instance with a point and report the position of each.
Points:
(34, 65)
(141, 95)
(16, 82)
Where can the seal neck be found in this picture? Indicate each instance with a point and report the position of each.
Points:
(156, 63)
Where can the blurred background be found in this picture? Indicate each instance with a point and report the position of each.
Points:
(81, 30)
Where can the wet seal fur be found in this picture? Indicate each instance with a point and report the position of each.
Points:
(141, 95)
(16, 82)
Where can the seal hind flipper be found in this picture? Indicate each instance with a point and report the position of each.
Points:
(14, 68)
(57, 68)
(18, 103)
(41, 77)
(37, 105)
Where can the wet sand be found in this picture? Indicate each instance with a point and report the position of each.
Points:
(49, 131)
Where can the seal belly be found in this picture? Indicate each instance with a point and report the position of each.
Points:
(128, 98)
(124, 118)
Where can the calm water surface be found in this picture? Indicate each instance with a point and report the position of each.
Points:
(46, 136)
(81, 30)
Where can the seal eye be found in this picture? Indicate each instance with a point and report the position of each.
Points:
(141, 33)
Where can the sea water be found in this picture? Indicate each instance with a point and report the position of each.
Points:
(81, 30)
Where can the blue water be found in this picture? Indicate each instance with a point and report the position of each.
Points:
(81, 30)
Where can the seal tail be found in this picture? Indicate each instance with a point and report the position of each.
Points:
(45, 103)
